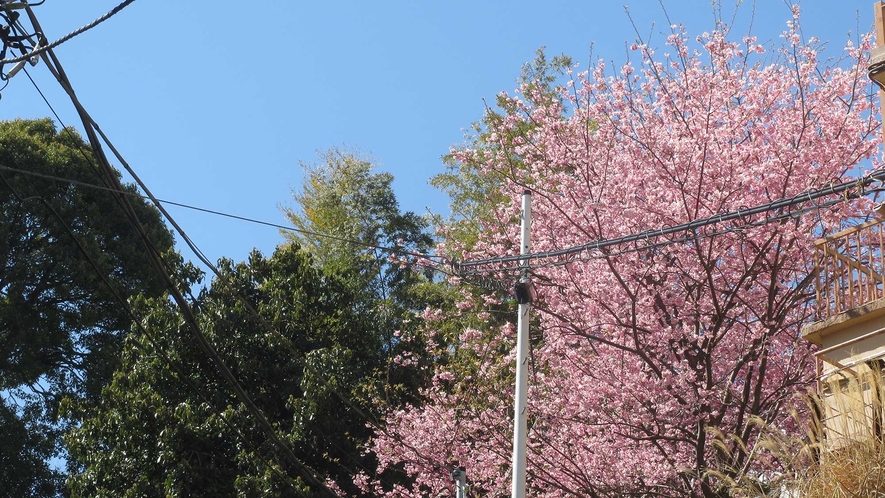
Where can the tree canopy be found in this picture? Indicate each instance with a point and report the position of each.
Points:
(155, 435)
(354, 206)
(61, 326)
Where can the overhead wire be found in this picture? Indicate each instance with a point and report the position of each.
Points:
(89, 185)
(689, 237)
(387, 249)
(460, 267)
(164, 272)
(503, 259)
(49, 46)
(13, 37)
(878, 175)
(250, 308)
(438, 267)
(285, 341)
(488, 283)
(596, 245)
(135, 194)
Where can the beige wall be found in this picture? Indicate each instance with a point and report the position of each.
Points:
(851, 347)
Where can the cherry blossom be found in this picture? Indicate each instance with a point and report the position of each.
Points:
(642, 350)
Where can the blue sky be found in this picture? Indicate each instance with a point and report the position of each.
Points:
(215, 103)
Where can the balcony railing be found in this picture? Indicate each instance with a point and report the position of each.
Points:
(850, 265)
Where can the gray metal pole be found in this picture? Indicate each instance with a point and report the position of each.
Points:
(459, 475)
(523, 295)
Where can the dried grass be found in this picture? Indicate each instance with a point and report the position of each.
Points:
(841, 455)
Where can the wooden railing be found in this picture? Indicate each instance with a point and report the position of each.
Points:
(850, 267)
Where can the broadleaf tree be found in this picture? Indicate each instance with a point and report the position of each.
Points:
(647, 349)
(170, 425)
(61, 327)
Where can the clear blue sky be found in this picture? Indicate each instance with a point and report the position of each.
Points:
(215, 103)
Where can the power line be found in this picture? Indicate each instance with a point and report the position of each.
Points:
(92, 125)
(740, 214)
(494, 284)
(388, 249)
(163, 271)
(469, 276)
(597, 245)
(135, 319)
(45, 48)
(177, 368)
(392, 250)
(298, 355)
(692, 236)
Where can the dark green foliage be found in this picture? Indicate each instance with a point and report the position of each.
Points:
(61, 328)
(26, 448)
(153, 436)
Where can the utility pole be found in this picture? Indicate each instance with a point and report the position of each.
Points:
(524, 298)
(459, 475)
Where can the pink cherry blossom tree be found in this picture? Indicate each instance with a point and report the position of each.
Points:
(642, 351)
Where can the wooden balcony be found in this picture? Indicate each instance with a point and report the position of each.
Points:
(850, 332)
(850, 266)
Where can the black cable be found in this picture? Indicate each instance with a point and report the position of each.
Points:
(392, 250)
(434, 267)
(489, 284)
(691, 236)
(91, 124)
(543, 255)
(136, 224)
(72, 34)
(691, 225)
(586, 247)
(285, 341)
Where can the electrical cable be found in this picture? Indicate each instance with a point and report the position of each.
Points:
(90, 125)
(135, 194)
(597, 245)
(388, 249)
(489, 284)
(285, 341)
(482, 282)
(45, 48)
(182, 376)
(878, 175)
(693, 236)
(164, 272)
